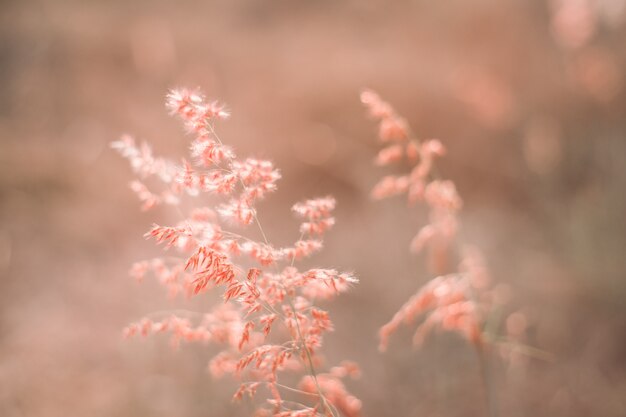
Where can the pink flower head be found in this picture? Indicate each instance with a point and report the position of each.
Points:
(456, 301)
(315, 209)
(391, 126)
(268, 322)
(192, 108)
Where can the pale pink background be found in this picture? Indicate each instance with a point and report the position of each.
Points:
(536, 132)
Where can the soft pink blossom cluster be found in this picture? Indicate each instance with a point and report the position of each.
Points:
(269, 324)
(459, 298)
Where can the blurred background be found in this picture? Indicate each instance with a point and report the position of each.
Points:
(528, 96)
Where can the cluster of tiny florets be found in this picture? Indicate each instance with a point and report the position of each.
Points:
(268, 324)
(458, 298)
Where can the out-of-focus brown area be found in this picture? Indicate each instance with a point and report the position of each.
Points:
(528, 96)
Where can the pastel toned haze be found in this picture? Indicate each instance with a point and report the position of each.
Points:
(464, 160)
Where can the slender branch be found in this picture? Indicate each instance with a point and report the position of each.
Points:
(483, 362)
